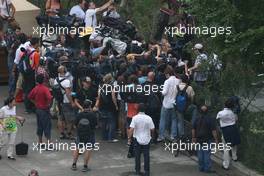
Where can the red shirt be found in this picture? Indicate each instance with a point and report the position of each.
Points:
(41, 96)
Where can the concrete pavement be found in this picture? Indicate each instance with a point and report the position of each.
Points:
(110, 160)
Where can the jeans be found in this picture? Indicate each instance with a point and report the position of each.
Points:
(43, 123)
(204, 159)
(11, 139)
(131, 149)
(192, 110)
(168, 117)
(108, 125)
(28, 85)
(180, 124)
(11, 77)
(145, 150)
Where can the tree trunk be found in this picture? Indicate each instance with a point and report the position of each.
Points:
(123, 3)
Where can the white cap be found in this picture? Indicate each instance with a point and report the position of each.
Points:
(87, 79)
(198, 46)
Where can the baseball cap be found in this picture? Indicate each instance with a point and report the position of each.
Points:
(198, 46)
(87, 79)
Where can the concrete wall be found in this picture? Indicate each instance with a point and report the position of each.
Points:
(26, 15)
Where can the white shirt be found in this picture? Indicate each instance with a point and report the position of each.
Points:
(66, 84)
(6, 112)
(18, 52)
(78, 11)
(170, 91)
(90, 18)
(3, 9)
(142, 125)
(227, 117)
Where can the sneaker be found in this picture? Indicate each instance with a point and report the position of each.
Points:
(160, 139)
(114, 140)
(235, 160)
(11, 158)
(70, 137)
(28, 112)
(42, 146)
(74, 167)
(129, 155)
(85, 168)
(63, 136)
(225, 168)
(172, 138)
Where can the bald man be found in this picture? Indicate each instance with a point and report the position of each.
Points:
(151, 77)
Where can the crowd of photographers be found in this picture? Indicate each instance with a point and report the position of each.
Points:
(110, 76)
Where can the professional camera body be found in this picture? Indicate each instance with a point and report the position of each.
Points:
(55, 57)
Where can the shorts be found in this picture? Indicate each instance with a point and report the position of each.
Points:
(128, 122)
(90, 141)
(68, 112)
(43, 123)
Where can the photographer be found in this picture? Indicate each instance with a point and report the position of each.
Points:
(90, 19)
(107, 104)
(67, 117)
(111, 12)
(79, 10)
(87, 92)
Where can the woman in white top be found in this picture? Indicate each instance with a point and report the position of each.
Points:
(8, 125)
(231, 137)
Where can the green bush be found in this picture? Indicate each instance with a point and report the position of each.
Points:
(252, 136)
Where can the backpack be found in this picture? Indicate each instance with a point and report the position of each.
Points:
(84, 130)
(24, 65)
(181, 99)
(106, 98)
(236, 104)
(56, 90)
(202, 130)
